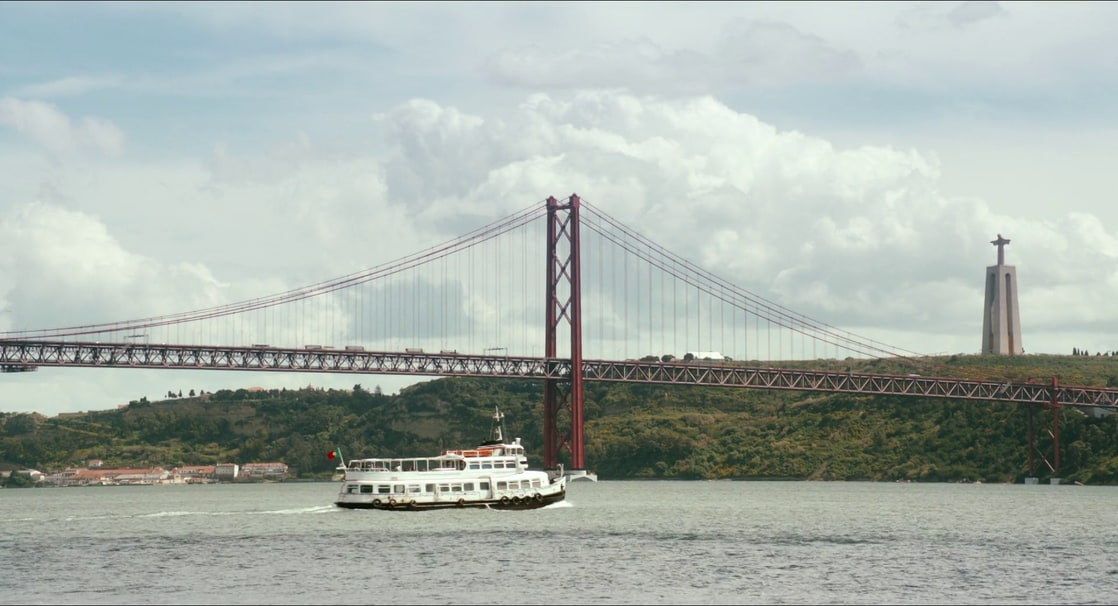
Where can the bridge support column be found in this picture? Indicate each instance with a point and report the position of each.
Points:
(564, 303)
(1052, 463)
(1055, 405)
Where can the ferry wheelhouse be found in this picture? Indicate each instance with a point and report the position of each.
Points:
(495, 474)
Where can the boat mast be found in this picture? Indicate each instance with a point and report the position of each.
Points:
(498, 435)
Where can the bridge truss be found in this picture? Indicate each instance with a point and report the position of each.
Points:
(18, 356)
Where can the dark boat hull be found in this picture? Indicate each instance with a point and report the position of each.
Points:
(534, 502)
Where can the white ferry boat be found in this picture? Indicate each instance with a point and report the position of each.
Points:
(493, 475)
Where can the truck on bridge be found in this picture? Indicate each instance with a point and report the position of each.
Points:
(705, 355)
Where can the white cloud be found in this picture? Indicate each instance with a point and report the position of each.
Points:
(763, 53)
(64, 268)
(68, 86)
(56, 133)
(751, 53)
(941, 15)
(792, 211)
(638, 64)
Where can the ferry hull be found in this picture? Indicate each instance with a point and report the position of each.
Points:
(512, 503)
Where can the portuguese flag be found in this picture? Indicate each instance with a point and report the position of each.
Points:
(333, 454)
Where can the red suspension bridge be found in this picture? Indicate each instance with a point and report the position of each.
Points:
(471, 307)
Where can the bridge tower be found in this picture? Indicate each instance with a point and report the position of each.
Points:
(1001, 321)
(564, 303)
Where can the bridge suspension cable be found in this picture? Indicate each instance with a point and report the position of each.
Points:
(670, 267)
(719, 288)
(445, 249)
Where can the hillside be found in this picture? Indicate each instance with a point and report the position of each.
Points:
(632, 431)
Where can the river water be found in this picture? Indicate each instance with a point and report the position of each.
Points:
(609, 543)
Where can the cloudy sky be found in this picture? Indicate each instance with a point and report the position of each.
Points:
(851, 161)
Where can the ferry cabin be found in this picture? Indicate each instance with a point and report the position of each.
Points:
(471, 490)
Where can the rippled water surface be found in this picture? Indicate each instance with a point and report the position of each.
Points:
(610, 542)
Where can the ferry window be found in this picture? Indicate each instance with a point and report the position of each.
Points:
(474, 466)
(536, 483)
(414, 488)
(383, 488)
(367, 488)
(444, 487)
(502, 485)
(399, 488)
(485, 485)
(430, 488)
(468, 486)
(351, 489)
(455, 488)
(461, 465)
(487, 465)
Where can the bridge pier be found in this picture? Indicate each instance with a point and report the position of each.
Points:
(1053, 464)
(563, 304)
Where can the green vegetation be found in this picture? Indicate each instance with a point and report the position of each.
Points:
(632, 430)
(17, 480)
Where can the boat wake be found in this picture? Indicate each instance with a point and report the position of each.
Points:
(269, 512)
(557, 505)
(173, 514)
(300, 510)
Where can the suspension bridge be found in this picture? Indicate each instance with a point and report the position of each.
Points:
(472, 306)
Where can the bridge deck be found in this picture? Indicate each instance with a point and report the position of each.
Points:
(26, 355)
